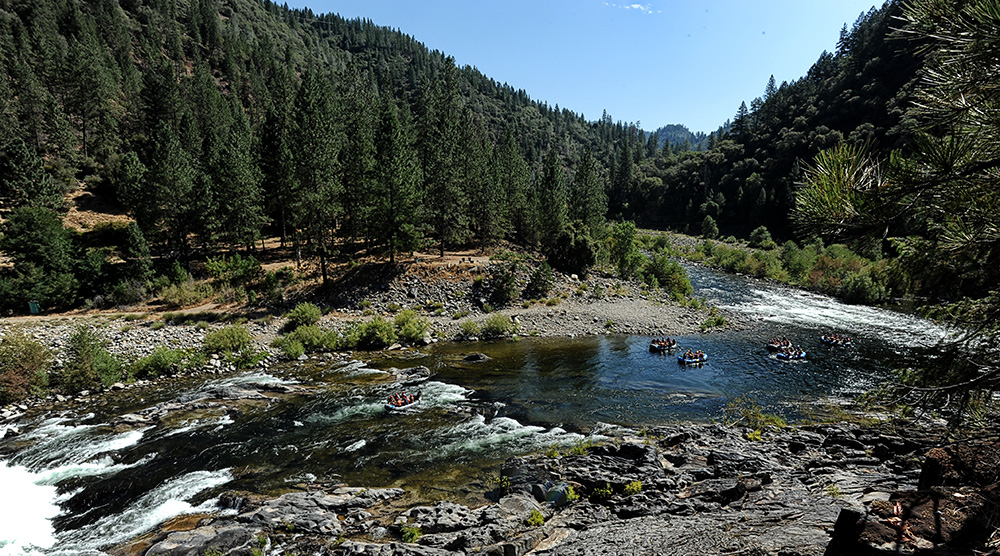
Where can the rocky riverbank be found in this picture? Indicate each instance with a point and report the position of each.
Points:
(685, 489)
(445, 296)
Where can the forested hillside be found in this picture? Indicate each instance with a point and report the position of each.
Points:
(214, 123)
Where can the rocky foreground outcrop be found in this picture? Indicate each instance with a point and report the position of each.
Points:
(685, 489)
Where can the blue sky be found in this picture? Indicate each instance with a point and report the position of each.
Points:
(667, 62)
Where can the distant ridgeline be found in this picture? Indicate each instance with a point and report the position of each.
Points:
(214, 123)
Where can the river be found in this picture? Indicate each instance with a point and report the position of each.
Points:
(76, 485)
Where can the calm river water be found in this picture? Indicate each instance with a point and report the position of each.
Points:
(82, 486)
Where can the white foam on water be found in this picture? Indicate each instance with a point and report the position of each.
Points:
(356, 446)
(252, 377)
(478, 435)
(348, 412)
(436, 394)
(804, 308)
(99, 467)
(58, 445)
(27, 511)
(166, 501)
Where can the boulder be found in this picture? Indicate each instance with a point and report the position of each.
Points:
(203, 540)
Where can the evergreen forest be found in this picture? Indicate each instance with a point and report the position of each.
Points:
(214, 124)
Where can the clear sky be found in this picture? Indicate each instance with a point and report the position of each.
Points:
(665, 62)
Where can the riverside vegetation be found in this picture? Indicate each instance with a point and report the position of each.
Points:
(201, 128)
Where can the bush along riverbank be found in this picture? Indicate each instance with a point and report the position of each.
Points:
(740, 488)
(48, 359)
(833, 270)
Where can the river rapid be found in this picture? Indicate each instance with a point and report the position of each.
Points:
(77, 484)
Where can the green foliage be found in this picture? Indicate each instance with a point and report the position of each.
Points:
(601, 494)
(541, 281)
(469, 328)
(304, 314)
(633, 487)
(163, 361)
(89, 365)
(573, 251)
(624, 249)
(715, 319)
(313, 338)
(228, 339)
(747, 411)
(411, 328)
(42, 252)
(411, 534)
(571, 494)
(859, 287)
(235, 271)
(709, 229)
(291, 349)
(582, 447)
(24, 366)
(760, 238)
(833, 491)
(669, 275)
(497, 326)
(377, 333)
(504, 285)
(535, 519)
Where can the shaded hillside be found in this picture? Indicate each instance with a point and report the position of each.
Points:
(214, 123)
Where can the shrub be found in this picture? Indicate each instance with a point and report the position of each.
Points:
(128, 292)
(89, 364)
(377, 333)
(411, 534)
(858, 287)
(469, 328)
(536, 519)
(304, 314)
(600, 494)
(24, 367)
(228, 339)
(709, 229)
(235, 271)
(634, 487)
(163, 361)
(497, 326)
(311, 338)
(624, 252)
(411, 328)
(184, 293)
(504, 285)
(291, 349)
(761, 237)
(573, 250)
(670, 276)
(541, 281)
(460, 314)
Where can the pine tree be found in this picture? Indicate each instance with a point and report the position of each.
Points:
(588, 202)
(552, 197)
(488, 212)
(514, 177)
(135, 253)
(317, 207)
(240, 196)
(397, 196)
(23, 180)
(621, 184)
(447, 200)
(165, 211)
(357, 154)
